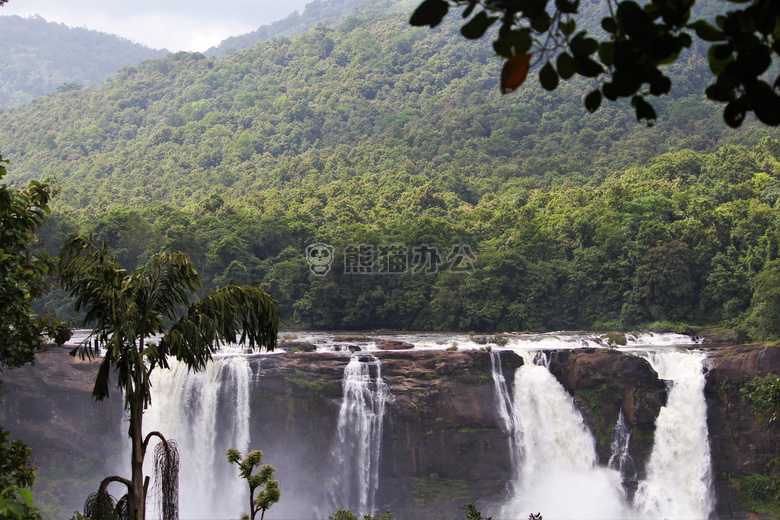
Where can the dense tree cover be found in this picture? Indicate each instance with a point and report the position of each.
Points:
(372, 96)
(24, 273)
(628, 54)
(40, 57)
(141, 319)
(318, 12)
(691, 237)
(376, 133)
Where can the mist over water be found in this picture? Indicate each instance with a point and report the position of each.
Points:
(557, 475)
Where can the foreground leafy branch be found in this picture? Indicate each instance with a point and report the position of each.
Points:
(640, 40)
(261, 479)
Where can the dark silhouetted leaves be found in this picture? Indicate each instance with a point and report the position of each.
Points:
(593, 101)
(477, 26)
(430, 12)
(548, 77)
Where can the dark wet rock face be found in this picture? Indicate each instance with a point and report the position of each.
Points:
(605, 381)
(741, 443)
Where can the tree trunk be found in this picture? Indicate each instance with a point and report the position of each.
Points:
(137, 499)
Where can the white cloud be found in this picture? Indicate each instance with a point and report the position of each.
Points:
(193, 25)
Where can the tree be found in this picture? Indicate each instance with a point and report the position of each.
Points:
(16, 476)
(269, 493)
(640, 40)
(140, 318)
(23, 273)
(23, 276)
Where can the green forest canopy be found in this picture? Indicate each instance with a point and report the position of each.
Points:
(376, 133)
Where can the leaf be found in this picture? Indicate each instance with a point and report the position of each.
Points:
(707, 32)
(514, 72)
(26, 495)
(644, 110)
(593, 101)
(565, 65)
(765, 102)
(568, 7)
(548, 77)
(477, 26)
(567, 27)
(609, 25)
(735, 111)
(430, 12)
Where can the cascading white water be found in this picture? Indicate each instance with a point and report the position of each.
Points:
(620, 459)
(503, 399)
(558, 475)
(679, 482)
(505, 411)
(357, 448)
(206, 413)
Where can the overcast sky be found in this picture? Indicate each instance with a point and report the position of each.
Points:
(177, 25)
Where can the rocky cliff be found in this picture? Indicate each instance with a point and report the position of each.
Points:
(742, 444)
(443, 444)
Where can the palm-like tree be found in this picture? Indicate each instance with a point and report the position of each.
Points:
(140, 318)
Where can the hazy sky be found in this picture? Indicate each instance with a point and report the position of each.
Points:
(189, 25)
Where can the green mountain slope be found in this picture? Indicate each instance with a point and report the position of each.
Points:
(319, 12)
(374, 133)
(248, 121)
(40, 56)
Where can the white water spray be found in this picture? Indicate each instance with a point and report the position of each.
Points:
(679, 478)
(558, 475)
(357, 448)
(206, 413)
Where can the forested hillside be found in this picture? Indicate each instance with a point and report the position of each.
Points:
(39, 57)
(376, 133)
(317, 12)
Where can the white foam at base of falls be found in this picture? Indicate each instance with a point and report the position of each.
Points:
(558, 475)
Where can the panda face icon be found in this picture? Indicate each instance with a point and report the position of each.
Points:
(320, 258)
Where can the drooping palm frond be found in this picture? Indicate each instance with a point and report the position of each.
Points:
(166, 474)
(123, 509)
(100, 506)
(232, 314)
(93, 277)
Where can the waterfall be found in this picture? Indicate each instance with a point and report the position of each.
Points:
(679, 472)
(620, 459)
(558, 475)
(357, 447)
(503, 399)
(206, 413)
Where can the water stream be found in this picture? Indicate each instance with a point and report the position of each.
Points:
(357, 448)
